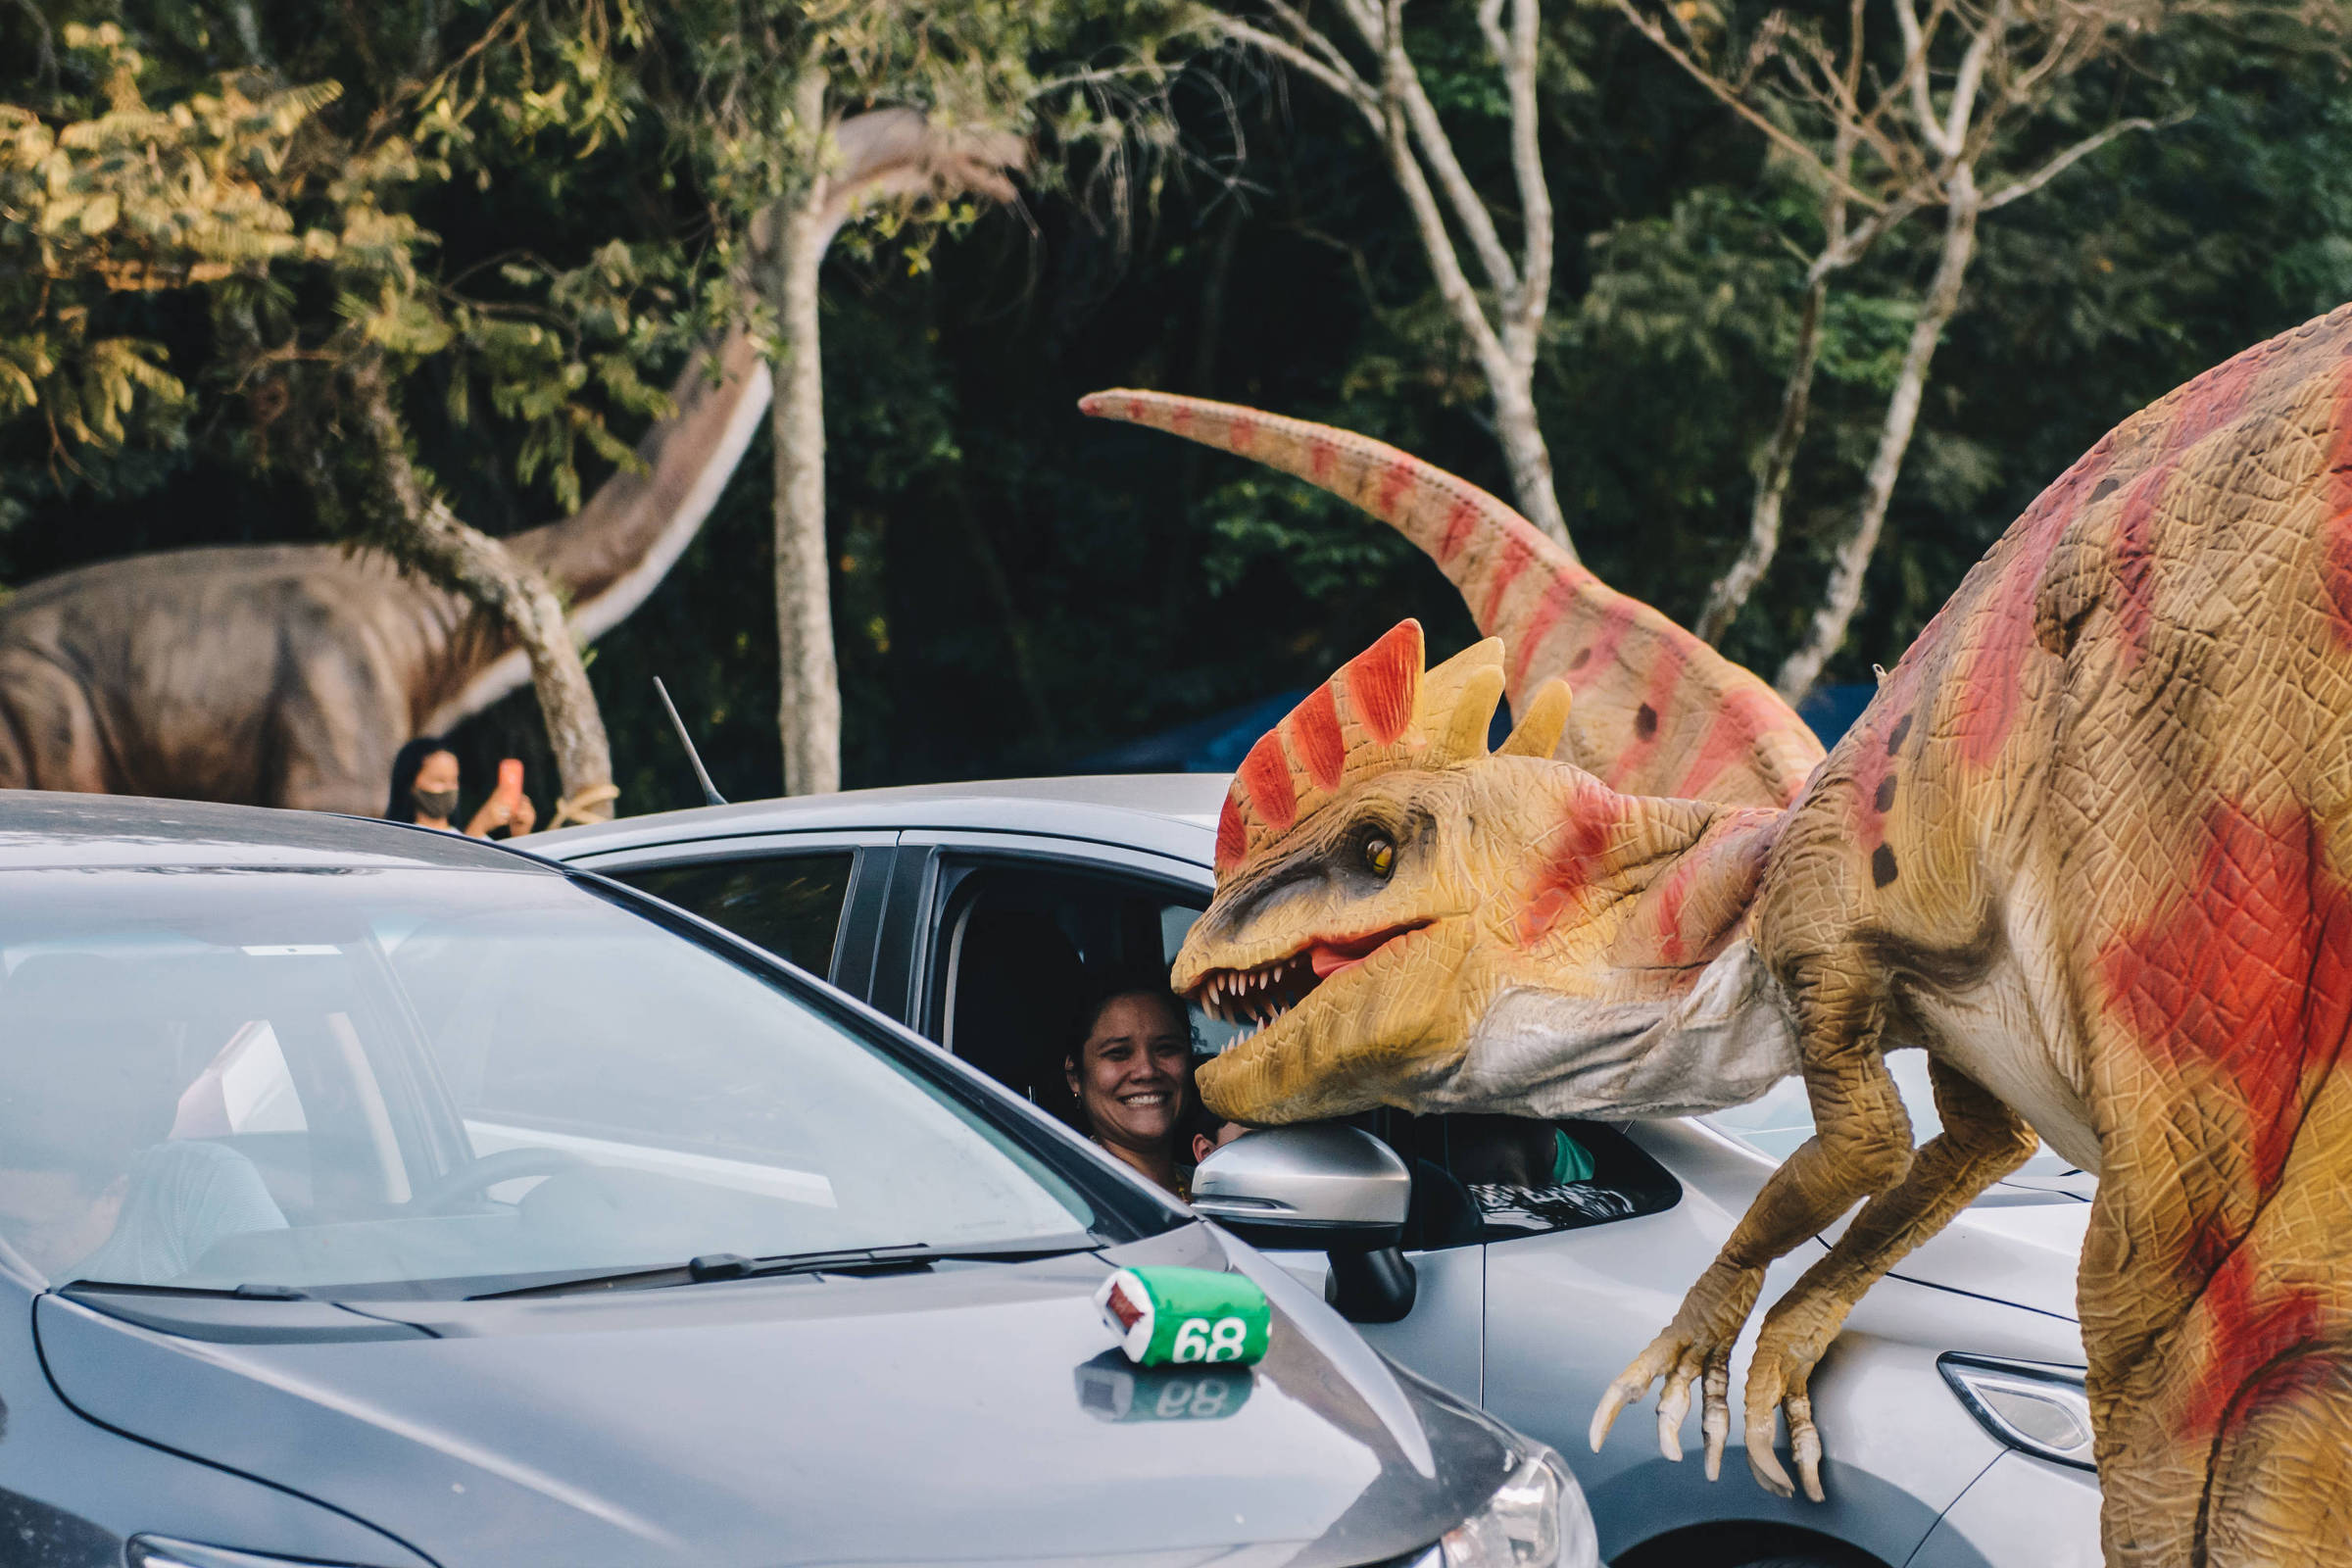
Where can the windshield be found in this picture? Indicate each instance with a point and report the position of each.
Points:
(443, 1083)
(1783, 1119)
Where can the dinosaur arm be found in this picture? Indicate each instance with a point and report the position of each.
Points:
(1861, 1147)
(1982, 1140)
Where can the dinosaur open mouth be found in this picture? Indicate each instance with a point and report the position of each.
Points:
(1256, 998)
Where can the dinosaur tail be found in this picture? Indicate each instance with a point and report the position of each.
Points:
(1658, 710)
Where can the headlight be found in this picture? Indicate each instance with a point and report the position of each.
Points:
(1536, 1519)
(2042, 1410)
(157, 1551)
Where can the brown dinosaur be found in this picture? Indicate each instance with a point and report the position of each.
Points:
(2089, 848)
(289, 674)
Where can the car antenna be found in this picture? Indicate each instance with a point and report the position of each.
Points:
(701, 775)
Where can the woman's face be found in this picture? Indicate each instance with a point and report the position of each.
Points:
(1132, 1076)
(437, 773)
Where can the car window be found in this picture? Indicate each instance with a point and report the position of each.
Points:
(222, 1078)
(787, 904)
(1480, 1178)
(1782, 1119)
(1014, 950)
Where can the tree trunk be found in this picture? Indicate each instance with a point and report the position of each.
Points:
(808, 714)
(1827, 630)
(1729, 593)
(421, 532)
(1530, 460)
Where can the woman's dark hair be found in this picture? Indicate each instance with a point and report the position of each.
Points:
(407, 764)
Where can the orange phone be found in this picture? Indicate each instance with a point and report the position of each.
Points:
(510, 778)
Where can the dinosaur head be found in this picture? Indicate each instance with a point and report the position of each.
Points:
(1393, 898)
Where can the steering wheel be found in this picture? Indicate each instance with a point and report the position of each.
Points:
(508, 1164)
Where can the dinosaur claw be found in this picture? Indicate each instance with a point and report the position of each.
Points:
(1715, 1419)
(1804, 1442)
(1769, 1474)
(1674, 1404)
(1611, 1402)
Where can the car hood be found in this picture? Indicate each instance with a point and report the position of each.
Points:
(2016, 1244)
(973, 1413)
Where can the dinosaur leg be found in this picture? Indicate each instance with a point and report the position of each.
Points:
(1983, 1140)
(1861, 1147)
(2280, 1491)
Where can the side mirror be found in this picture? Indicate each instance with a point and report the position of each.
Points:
(1321, 1186)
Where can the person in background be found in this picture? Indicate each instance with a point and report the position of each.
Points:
(1212, 1132)
(424, 790)
(1130, 1070)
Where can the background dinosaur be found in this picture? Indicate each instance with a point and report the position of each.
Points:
(289, 674)
(2087, 846)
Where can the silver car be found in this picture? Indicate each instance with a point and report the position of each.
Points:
(1953, 1408)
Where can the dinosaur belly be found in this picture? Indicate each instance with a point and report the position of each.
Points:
(1997, 1034)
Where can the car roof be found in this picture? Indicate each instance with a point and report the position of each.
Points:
(1171, 813)
(58, 828)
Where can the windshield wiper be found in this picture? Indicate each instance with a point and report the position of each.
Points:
(237, 1292)
(709, 1267)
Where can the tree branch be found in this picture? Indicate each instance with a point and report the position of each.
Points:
(1527, 166)
(2074, 155)
(1722, 92)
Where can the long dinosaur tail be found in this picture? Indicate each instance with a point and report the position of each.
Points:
(1658, 710)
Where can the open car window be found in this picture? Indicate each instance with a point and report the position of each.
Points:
(422, 1081)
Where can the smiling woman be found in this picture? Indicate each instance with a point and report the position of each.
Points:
(1130, 1070)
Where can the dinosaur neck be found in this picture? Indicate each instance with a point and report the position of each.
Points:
(1687, 1021)
(608, 557)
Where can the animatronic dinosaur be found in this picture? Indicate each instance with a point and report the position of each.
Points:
(289, 674)
(2088, 847)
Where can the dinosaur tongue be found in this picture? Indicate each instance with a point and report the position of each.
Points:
(1330, 957)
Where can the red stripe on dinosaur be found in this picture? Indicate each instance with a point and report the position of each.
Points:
(1382, 680)
(1595, 656)
(1241, 434)
(1461, 522)
(1314, 733)
(1991, 682)
(1538, 626)
(1266, 774)
(1232, 840)
(2246, 972)
(1742, 715)
(2251, 1335)
(1667, 663)
(1395, 480)
(1319, 455)
(2208, 403)
(1570, 859)
(1510, 560)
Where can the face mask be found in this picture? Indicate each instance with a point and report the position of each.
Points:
(436, 803)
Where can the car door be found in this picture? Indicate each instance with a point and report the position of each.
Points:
(812, 899)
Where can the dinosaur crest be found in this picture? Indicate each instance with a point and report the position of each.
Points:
(1382, 710)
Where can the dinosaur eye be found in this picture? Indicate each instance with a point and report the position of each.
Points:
(1380, 856)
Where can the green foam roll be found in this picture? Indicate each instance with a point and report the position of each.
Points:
(1176, 1316)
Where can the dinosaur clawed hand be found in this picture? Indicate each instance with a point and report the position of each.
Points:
(1696, 1348)
(1796, 1332)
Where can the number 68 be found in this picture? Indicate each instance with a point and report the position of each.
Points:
(1197, 1341)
